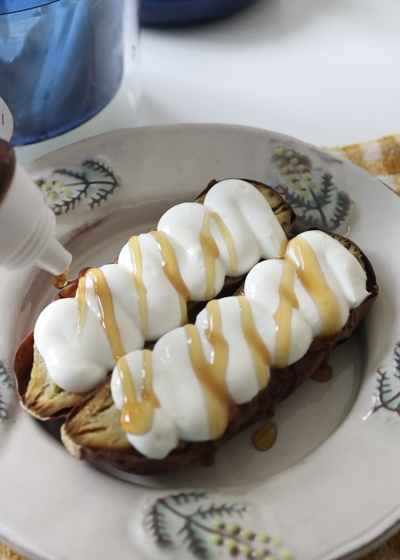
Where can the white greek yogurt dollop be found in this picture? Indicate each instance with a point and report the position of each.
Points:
(145, 302)
(181, 384)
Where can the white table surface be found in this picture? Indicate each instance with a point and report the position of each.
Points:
(325, 71)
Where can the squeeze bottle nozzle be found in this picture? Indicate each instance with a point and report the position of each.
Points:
(27, 225)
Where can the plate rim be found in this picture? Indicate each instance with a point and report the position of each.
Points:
(204, 126)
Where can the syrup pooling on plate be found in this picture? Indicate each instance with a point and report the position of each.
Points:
(265, 437)
(323, 373)
(200, 370)
(194, 248)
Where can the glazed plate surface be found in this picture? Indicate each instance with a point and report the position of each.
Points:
(328, 488)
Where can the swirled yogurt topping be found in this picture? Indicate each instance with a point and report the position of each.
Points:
(183, 389)
(118, 307)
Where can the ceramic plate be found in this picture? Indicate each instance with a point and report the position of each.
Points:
(328, 487)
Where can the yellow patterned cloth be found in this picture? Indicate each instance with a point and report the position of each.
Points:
(382, 158)
(7, 554)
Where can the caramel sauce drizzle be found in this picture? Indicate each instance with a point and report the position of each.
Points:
(171, 269)
(212, 376)
(137, 265)
(283, 315)
(61, 280)
(259, 352)
(80, 295)
(283, 248)
(313, 281)
(228, 239)
(220, 349)
(137, 414)
(211, 251)
(106, 306)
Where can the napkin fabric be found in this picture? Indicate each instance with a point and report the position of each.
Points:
(380, 157)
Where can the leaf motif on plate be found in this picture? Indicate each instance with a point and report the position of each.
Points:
(203, 525)
(389, 385)
(6, 385)
(311, 191)
(92, 182)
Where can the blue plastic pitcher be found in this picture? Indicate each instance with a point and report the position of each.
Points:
(61, 62)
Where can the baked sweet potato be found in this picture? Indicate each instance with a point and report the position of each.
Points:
(92, 430)
(40, 395)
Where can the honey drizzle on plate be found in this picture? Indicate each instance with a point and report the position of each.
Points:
(137, 265)
(212, 376)
(106, 307)
(211, 251)
(137, 415)
(171, 269)
(265, 437)
(323, 373)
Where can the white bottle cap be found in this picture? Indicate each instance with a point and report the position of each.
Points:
(27, 225)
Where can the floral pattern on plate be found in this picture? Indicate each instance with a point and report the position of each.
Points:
(205, 525)
(6, 391)
(311, 190)
(388, 385)
(93, 182)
